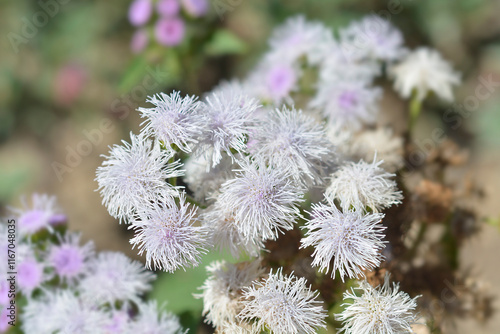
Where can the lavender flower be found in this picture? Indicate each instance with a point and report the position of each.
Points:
(153, 320)
(380, 310)
(361, 185)
(139, 12)
(291, 141)
(30, 274)
(114, 277)
(195, 8)
(139, 41)
(165, 232)
(351, 239)
(135, 174)
(69, 258)
(169, 31)
(168, 7)
(173, 120)
(39, 215)
(284, 305)
(263, 199)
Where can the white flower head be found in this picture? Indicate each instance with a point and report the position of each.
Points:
(41, 214)
(361, 185)
(112, 277)
(424, 70)
(165, 232)
(294, 142)
(283, 304)
(298, 37)
(380, 310)
(222, 290)
(263, 199)
(352, 240)
(227, 116)
(224, 232)
(372, 38)
(153, 320)
(134, 174)
(382, 143)
(349, 103)
(173, 120)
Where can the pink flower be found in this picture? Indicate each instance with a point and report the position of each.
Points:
(169, 31)
(195, 8)
(168, 7)
(139, 12)
(139, 41)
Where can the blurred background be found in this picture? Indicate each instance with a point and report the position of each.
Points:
(73, 72)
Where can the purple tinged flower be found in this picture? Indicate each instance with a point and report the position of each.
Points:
(40, 215)
(280, 81)
(58, 219)
(69, 258)
(263, 200)
(4, 320)
(139, 12)
(173, 120)
(352, 240)
(168, 7)
(195, 8)
(169, 31)
(165, 232)
(152, 319)
(29, 275)
(134, 174)
(139, 41)
(118, 323)
(4, 292)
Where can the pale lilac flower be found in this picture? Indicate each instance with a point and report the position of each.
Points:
(222, 290)
(352, 240)
(227, 117)
(139, 41)
(349, 103)
(114, 277)
(298, 37)
(284, 305)
(372, 38)
(69, 258)
(30, 272)
(422, 71)
(168, 7)
(292, 141)
(165, 232)
(37, 216)
(118, 321)
(153, 320)
(139, 12)
(363, 185)
(174, 120)
(169, 31)
(4, 320)
(134, 174)
(225, 232)
(380, 310)
(195, 8)
(263, 199)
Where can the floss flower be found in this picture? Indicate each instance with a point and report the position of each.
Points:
(380, 310)
(283, 304)
(352, 240)
(41, 214)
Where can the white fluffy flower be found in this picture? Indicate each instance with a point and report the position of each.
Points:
(263, 199)
(284, 305)
(227, 117)
(222, 290)
(224, 232)
(165, 232)
(173, 120)
(382, 143)
(380, 310)
(372, 38)
(349, 103)
(294, 142)
(153, 320)
(112, 277)
(298, 37)
(424, 70)
(352, 240)
(135, 174)
(361, 185)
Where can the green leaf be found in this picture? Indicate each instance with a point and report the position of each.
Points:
(225, 42)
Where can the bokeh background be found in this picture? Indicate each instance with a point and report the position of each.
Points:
(69, 87)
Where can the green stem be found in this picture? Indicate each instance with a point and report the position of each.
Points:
(415, 108)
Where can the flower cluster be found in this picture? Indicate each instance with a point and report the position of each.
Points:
(169, 29)
(70, 288)
(255, 153)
